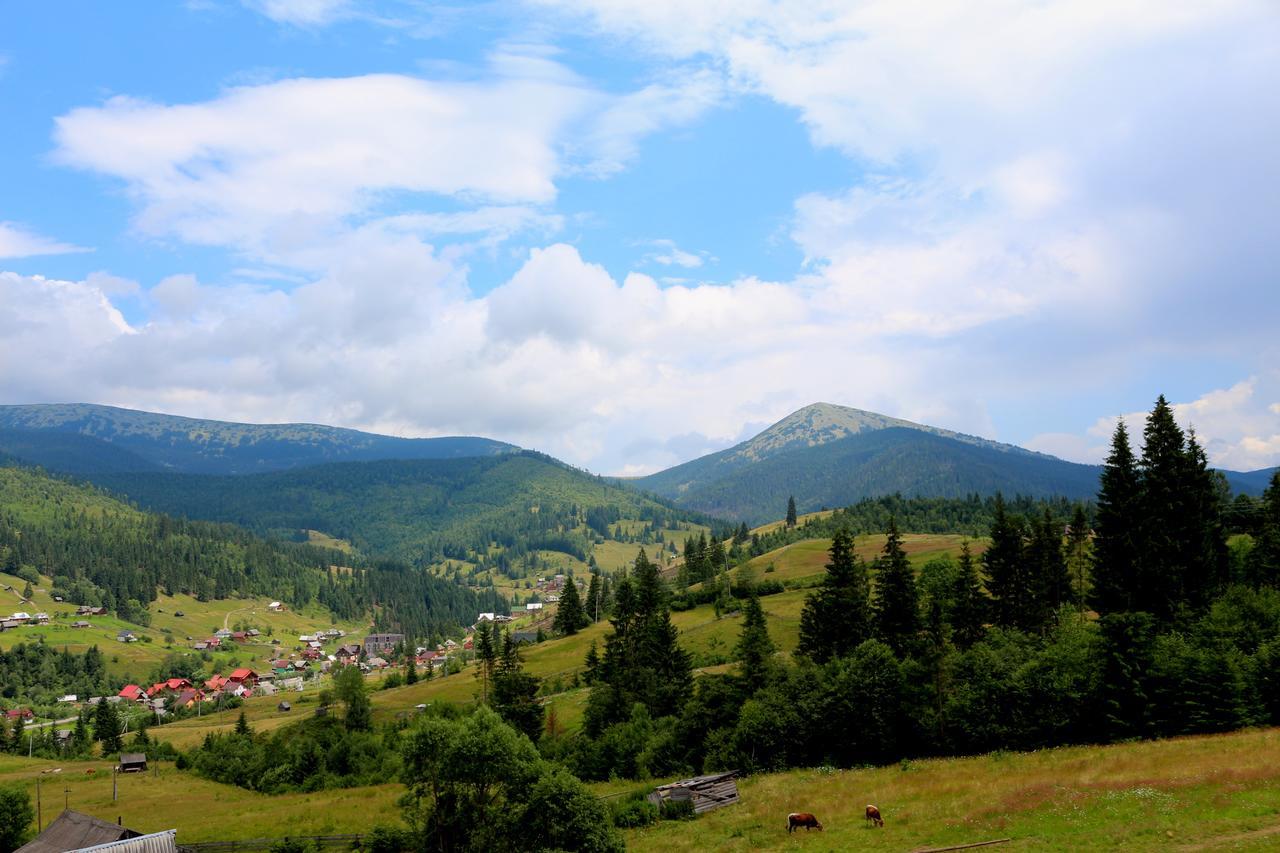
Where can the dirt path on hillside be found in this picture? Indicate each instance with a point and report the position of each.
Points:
(1227, 840)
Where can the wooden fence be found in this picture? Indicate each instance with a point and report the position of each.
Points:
(261, 845)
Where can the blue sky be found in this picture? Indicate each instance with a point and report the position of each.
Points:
(629, 232)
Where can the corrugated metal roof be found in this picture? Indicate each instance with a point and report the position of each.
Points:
(156, 842)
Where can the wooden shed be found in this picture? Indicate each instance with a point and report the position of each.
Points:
(706, 792)
(133, 762)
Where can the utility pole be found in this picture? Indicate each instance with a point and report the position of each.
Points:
(39, 808)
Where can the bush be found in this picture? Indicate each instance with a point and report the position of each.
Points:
(631, 813)
(676, 810)
(386, 839)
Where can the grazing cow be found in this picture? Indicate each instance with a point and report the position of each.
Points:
(873, 816)
(795, 820)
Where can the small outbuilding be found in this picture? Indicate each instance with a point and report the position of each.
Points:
(284, 706)
(706, 792)
(133, 762)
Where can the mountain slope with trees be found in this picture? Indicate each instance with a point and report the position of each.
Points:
(421, 511)
(103, 552)
(829, 456)
(40, 434)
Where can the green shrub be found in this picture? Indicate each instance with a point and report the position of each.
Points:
(677, 810)
(631, 813)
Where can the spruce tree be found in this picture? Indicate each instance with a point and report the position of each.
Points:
(1164, 520)
(754, 649)
(1052, 581)
(1116, 541)
(16, 743)
(897, 607)
(969, 603)
(791, 511)
(1077, 555)
(482, 645)
(1008, 581)
(642, 661)
(1264, 558)
(570, 617)
(515, 692)
(836, 617)
(106, 727)
(1208, 567)
(242, 725)
(411, 670)
(591, 607)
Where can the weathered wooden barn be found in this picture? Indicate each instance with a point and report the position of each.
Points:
(706, 792)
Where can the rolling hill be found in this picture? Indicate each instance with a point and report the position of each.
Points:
(80, 438)
(419, 510)
(95, 549)
(829, 456)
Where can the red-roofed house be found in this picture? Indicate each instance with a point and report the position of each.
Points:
(16, 713)
(215, 683)
(244, 676)
(133, 693)
(187, 699)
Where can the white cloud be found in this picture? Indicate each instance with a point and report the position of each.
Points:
(1071, 159)
(303, 13)
(667, 254)
(282, 162)
(18, 242)
(1235, 425)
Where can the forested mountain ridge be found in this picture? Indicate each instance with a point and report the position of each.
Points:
(143, 441)
(415, 510)
(829, 456)
(101, 551)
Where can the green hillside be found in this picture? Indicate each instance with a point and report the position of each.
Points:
(94, 549)
(423, 511)
(143, 441)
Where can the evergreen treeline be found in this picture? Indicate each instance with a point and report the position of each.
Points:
(40, 674)
(973, 655)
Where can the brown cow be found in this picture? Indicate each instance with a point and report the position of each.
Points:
(795, 820)
(873, 816)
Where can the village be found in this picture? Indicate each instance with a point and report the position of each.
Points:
(303, 666)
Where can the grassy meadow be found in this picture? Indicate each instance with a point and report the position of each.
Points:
(199, 620)
(1217, 792)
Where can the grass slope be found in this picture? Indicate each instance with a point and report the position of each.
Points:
(1194, 793)
(1214, 792)
(134, 661)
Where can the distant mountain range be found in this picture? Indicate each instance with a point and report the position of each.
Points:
(828, 456)
(83, 438)
(413, 497)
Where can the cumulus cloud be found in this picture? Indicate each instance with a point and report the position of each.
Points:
(1019, 158)
(18, 242)
(1239, 427)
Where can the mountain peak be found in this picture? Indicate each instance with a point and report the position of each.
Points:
(821, 423)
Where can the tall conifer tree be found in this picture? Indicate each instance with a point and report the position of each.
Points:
(755, 648)
(791, 511)
(1116, 542)
(1008, 581)
(836, 617)
(1264, 559)
(570, 617)
(969, 603)
(1049, 566)
(897, 608)
(1165, 518)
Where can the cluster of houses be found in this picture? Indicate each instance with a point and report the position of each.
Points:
(180, 693)
(19, 619)
(225, 635)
